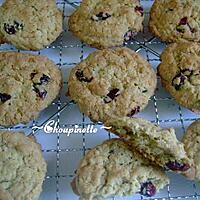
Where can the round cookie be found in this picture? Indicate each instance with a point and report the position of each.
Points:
(112, 82)
(180, 73)
(113, 168)
(29, 83)
(191, 141)
(22, 167)
(175, 20)
(107, 23)
(156, 144)
(30, 24)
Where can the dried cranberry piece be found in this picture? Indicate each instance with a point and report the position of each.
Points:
(4, 97)
(140, 10)
(42, 93)
(129, 35)
(44, 79)
(100, 16)
(11, 29)
(33, 75)
(134, 111)
(148, 189)
(180, 78)
(183, 21)
(80, 76)
(111, 95)
(178, 81)
(175, 166)
(38, 88)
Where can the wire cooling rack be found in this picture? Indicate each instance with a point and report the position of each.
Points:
(63, 152)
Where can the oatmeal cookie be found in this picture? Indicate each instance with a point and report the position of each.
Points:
(112, 82)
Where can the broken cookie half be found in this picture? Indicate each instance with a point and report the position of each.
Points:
(156, 144)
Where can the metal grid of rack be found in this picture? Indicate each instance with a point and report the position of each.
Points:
(63, 152)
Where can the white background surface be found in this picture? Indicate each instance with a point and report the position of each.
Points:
(63, 153)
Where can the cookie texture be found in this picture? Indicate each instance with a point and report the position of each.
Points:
(112, 82)
(180, 73)
(107, 23)
(191, 141)
(156, 144)
(22, 167)
(29, 84)
(30, 24)
(114, 169)
(175, 20)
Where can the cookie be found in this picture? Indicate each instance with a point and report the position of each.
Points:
(175, 20)
(30, 24)
(112, 82)
(115, 169)
(158, 145)
(191, 141)
(29, 83)
(22, 167)
(180, 74)
(107, 23)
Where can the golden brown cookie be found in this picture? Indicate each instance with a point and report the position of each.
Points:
(156, 144)
(176, 20)
(115, 82)
(22, 167)
(115, 169)
(107, 23)
(30, 24)
(180, 73)
(29, 83)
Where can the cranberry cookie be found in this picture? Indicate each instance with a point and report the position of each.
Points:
(115, 169)
(22, 167)
(158, 145)
(180, 73)
(115, 82)
(29, 84)
(30, 24)
(176, 20)
(107, 23)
